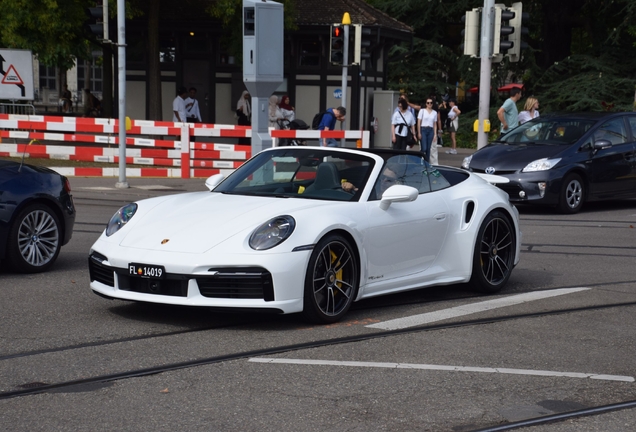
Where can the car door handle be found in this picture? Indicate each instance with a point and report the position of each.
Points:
(440, 216)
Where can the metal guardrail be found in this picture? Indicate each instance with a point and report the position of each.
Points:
(13, 108)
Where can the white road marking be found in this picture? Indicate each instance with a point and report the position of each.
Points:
(157, 187)
(444, 368)
(95, 188)
(426, 318)
(144, 187)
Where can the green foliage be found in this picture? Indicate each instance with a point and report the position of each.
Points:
(52, 29)
(587, 83)
(580, 54)
(421, 70)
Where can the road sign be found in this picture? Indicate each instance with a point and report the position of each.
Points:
(16, 74)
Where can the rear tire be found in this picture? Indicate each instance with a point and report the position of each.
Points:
(494, 254)
(572, 194)
(331, 282)
(34, 239)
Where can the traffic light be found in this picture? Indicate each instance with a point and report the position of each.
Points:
(97, 24)
(336, 45)
(472, 25)
(514, 53)
(362, 43)
(501, 44)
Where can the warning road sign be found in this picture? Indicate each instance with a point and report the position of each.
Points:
(16, 74)
(12, 77)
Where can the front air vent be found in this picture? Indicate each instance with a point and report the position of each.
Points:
(237, 283)
(100, 272)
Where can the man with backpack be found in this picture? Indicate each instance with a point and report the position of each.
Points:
(327, 121)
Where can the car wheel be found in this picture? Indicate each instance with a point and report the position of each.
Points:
(494, 254)
(331, 281)
(572, 194)
(34, 239)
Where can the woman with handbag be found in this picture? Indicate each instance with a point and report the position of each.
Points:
(427, 125)
(403, 127)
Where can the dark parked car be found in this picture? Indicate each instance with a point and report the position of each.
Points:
(564, 160)
(36, 216)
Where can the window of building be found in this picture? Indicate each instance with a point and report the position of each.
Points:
(309, 53)
(167, 49)
(96, 81)
(47, 77)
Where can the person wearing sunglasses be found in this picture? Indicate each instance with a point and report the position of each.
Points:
(427, 127)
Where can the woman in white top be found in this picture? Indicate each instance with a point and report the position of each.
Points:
(401, 122)
(427, 125)
(453, 125)
(531, 110)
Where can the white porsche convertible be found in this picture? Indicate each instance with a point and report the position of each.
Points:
(311, 230)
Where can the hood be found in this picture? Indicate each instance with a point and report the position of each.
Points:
(195, 223)
(505, 157)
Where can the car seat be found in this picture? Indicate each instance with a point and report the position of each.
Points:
(327, 177)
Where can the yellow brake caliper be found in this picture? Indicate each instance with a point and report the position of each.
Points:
(334, 258)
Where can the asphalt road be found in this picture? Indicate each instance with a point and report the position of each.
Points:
(469, 365)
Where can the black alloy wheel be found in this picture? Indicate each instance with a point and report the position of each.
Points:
(331, 282)
(494, 253)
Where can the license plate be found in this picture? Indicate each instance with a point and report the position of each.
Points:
(146, 271)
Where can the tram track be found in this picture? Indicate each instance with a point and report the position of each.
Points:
(136, 373)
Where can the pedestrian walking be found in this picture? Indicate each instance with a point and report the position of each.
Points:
(275, 114)
(328, 122)
(178, 105)
(453, 125)
(508, 113)
(193, 115)
(427, 125)
(244, 109)
(289, 112)
(531, 110)
(402, 126)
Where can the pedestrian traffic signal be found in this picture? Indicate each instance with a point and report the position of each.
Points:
(472, 26)
(336, 45)
(514, 53)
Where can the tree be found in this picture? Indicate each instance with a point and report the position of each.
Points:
(52, 30)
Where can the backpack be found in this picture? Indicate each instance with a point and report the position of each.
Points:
(315, 123)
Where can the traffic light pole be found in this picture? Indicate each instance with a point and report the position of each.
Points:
(346, 20)
(485, 71)
(121, 71)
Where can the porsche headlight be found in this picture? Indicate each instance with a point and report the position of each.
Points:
(272, 233)
(466, 162)
(120, 218)
(541, 165)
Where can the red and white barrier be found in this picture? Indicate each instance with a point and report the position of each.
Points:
(197, 159)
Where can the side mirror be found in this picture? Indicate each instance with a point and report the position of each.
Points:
(602, 144)
(213, 181)
(398, 193)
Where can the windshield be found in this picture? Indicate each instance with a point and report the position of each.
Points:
(301, 173)
(548, 131)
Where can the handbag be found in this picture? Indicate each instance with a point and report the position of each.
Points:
(410, 139)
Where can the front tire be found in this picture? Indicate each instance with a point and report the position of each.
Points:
(572, 194)
(331, 282)
(494, 253)
(34, 239)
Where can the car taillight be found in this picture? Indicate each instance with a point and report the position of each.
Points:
(67, 186)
